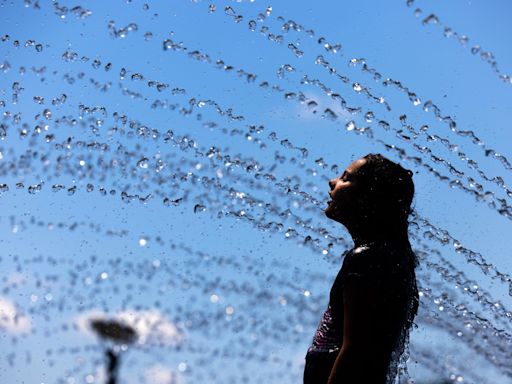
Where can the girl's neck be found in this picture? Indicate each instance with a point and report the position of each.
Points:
(366, 234)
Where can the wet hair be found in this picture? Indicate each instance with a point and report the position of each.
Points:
(388, 194)
(389, 189)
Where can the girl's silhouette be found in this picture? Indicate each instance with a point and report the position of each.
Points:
(374, 298)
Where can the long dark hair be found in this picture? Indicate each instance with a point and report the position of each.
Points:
(389, 191)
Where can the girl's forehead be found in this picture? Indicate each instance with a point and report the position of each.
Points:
(355, 166)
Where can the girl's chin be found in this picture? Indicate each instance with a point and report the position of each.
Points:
(329, 211)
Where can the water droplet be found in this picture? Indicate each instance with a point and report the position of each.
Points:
(330, 114)
(311, 104)
(430, 19)
(229, 11)
(296, 51)
(168, 202)
(33, 189)
(463, 39)
(57, 187)
(143, 163)
(199, 208)
(448, 32)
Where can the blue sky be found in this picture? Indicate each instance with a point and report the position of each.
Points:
(225, 287)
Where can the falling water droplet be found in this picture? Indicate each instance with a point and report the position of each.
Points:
(463, 39)
(448, 32)
(143, 163)
(430, 19)
(33, 189)
(72, 190)
(199, 208)
(57, 187)
(330, 114)
(168, 202)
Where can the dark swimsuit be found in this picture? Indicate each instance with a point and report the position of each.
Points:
(391, 266)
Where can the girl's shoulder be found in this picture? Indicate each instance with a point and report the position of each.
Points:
(378, 258)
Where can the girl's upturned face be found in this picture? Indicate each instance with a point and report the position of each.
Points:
(345, 192)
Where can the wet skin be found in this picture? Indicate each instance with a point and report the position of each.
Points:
(345, 193)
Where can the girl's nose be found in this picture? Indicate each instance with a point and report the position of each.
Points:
(332, 182)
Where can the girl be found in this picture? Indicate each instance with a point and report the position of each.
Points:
(374, 298)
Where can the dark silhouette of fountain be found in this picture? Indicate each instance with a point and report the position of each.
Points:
(115, 334)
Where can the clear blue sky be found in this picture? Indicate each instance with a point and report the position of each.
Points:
(212, 269)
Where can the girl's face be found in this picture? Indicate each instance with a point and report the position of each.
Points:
(346, 194)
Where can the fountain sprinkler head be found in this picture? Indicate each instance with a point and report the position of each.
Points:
(113, 330)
